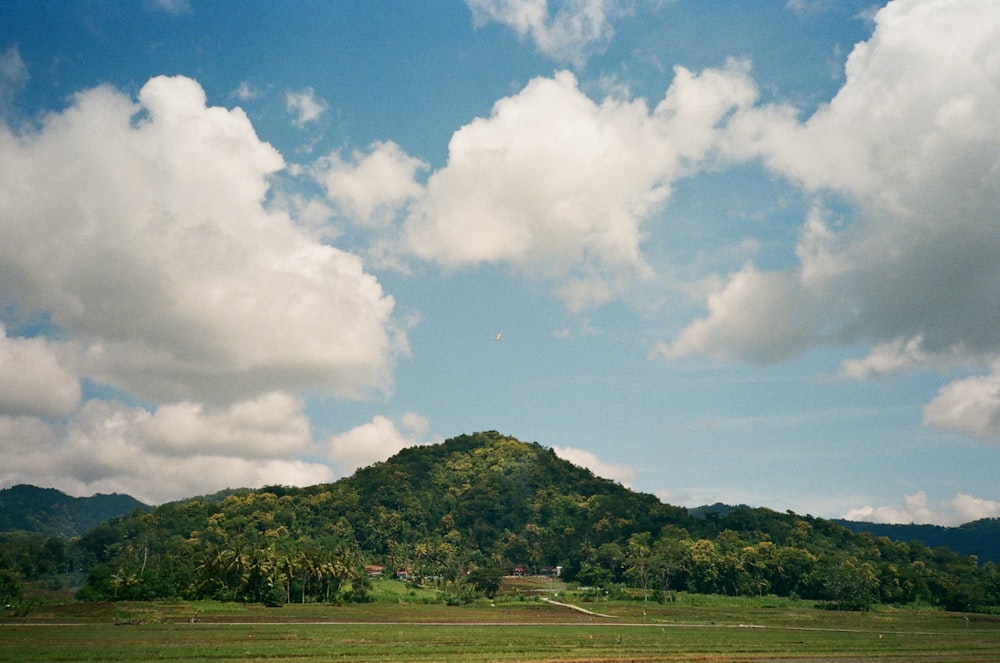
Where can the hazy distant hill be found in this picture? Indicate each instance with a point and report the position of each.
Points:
(54, 513)
(980, 538)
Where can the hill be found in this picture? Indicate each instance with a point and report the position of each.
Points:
(980, 538)
(461, 513)
(51, 512)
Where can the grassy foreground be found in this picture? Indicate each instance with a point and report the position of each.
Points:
(521, 629)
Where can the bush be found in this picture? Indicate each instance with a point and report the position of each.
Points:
(274, 597)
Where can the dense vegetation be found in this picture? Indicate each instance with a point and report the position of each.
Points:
(980, 538)
(459, 514)
(54, 513)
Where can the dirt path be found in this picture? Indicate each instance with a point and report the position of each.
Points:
(579, 609)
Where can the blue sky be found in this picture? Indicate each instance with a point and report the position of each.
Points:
(739, 252)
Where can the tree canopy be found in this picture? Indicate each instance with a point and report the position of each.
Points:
(478, 506)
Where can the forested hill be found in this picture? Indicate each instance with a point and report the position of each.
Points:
(487, 503)
(980, 538)
(495, 493)
(51, 512)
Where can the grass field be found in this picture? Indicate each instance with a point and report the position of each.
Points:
(403, 626)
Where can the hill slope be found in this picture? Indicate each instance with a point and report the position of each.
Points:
(51, 512)
(485, 504)
(980, 538)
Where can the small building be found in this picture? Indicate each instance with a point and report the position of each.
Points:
(374, 571)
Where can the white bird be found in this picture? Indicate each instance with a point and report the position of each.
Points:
(499, 337)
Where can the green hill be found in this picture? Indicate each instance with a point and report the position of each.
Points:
(459, 514)
(51, 512)
(980, 538)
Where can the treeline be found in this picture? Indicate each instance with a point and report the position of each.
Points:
(462, 513)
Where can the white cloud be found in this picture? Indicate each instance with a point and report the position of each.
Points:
(371, 188)
(13, 76)
(577, 28)
(963, 508)
(34, 380)
(13, 70)
(305, 106)
(273, 425)
(754, 315)
(911, 141)
(968, 508)
(559, 185)
(623, 474)
(970, 406)
(27, 445)
(246, 92)
(150, 244)
(915, 510)
(808, 6)
(173, 452)
(886, 358)
(584, 293)
(175, 7)
(376, 441)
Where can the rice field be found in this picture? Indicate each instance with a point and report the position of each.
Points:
(519, 630)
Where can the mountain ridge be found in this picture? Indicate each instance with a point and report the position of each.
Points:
(49, 511)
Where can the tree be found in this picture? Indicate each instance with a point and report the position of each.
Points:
(11, 586)
(639, 560)
(668, 557)
(761, 562)
(853, 584)
(594, 575)
(611, 556)
(701, 565)
(485, 580)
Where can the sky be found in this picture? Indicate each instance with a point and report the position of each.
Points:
(740, 252)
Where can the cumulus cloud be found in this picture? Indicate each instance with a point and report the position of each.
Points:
(304, 106)
(915, 510)
(963, 508)
(623, 474)
(172, 452)
(376, 441)
(371, 188)
(272, 425)
(150, 245)
(886, 358)
(559, 185)
(968, 508)
(34, 378)
(576, 29)
(970, 406)
(754, 315)
(910, 141)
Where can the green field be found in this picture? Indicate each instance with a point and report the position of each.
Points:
(519, 629)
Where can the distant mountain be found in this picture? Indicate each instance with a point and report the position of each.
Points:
(714, 511)
(54, 513)
(980, 538)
